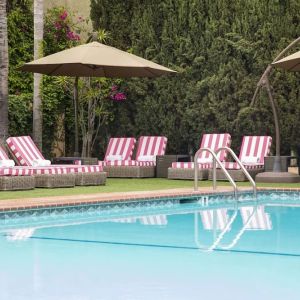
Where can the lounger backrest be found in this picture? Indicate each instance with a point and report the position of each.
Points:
(120, 146)
(255, 148)
(256, 220)
(3, 155)
(214, 141)
(151, 146)
(24, 149)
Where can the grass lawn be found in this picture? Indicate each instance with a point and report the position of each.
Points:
(124, 185)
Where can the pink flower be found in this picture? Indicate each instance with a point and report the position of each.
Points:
(114, 87)
(64, 15)
(57, 25)
(120, 96)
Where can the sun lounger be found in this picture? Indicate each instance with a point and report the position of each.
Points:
(48, 175)
(185, 170)
(253, 151)
(144, 164)
(14, 178)
(119, 153)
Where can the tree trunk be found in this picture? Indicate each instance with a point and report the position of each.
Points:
(3, 72)
(37, 102)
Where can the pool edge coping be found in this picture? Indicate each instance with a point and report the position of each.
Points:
(57, 201)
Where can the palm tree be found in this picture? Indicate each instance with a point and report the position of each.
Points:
(3, 72)
(37, 78)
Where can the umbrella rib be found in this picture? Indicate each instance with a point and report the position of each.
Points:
(53, 70)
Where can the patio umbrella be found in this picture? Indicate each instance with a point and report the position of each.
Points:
(94, 60)
(289, 63)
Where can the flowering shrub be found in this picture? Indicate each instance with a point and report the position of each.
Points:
(116, 94)
(62, 28)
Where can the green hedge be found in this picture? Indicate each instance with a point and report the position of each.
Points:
(220, 49)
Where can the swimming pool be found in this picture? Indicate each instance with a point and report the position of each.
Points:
(205, 247)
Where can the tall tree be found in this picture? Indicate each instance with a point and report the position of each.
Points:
(37, 101)
(3, 71)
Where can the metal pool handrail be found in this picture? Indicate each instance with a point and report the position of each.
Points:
(215, 160)
(241, 166)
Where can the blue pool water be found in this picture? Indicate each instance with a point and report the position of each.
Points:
(199, 248)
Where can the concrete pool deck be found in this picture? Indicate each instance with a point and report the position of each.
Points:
(81, 199)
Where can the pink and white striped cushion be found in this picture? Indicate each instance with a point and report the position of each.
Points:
(213, 141)
(147, 146)
(15, 171)
(3, 154)
(190, 165)
(115, 163)
(24, 150)
(145, 163)
(252, 146)
(151, 146)
(120, 146)
(51, 170)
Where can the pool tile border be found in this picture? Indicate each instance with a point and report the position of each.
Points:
(52, 202)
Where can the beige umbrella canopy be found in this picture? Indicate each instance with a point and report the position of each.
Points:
(289, 63)
(94, 60)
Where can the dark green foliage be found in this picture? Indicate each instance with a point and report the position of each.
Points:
(20, 45)
(220, 49)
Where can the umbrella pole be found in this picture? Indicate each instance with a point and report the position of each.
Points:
(75, 99)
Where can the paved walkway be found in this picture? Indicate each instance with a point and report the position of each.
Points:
(15, 204)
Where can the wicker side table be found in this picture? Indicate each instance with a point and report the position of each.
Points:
(163, 162)
(284, 163)
(71, 160)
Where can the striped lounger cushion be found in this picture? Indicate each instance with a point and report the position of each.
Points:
(26, 153)
(148, 148)
(119, 152)
(12, 171)
(214, 142)
(253, 151)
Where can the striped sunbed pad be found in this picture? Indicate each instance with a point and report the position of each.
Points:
(148, 148)
(260, 220)
(25, 151)
(253, 151)
(214, 141)
(12, 171)
(119, 151)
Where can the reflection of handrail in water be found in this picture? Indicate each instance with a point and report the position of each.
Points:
(220, 236)
(244, 228)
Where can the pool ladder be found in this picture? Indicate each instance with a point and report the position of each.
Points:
(215, 161)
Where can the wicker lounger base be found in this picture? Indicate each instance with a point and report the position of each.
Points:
(237, 175)
(97, 178)
(54, 181)
(183, 173)
(13, 183)
(131, 172)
